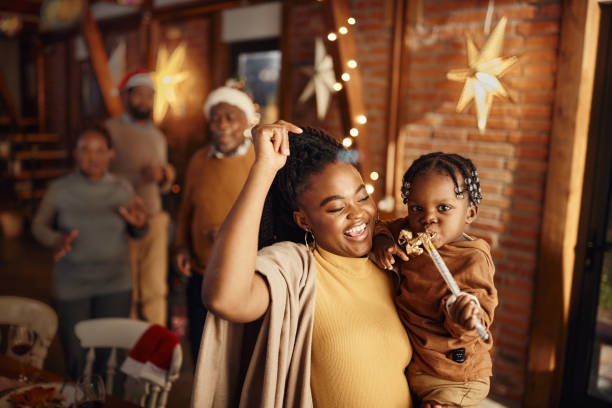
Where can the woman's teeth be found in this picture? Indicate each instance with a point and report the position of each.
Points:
(356, 230)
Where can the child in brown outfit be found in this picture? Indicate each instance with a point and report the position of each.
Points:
(451, 364)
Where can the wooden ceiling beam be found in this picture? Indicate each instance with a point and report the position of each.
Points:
(26, 7)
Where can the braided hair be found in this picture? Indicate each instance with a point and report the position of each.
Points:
(311, 152)
(451, 164)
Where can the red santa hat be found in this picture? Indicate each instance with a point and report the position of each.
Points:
(137, 77)
(151, 356)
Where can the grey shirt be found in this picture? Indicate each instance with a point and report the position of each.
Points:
(99, 262)
(136, 147)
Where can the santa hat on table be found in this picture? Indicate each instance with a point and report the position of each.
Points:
(151, 356)
(235, 97)
(138, 77)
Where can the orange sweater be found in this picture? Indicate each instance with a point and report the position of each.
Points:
(211, 187)
(422, 300)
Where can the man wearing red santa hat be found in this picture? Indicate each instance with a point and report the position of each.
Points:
(142, 158)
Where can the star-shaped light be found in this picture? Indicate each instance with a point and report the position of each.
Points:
(167, 76)
(322, 79)
(482, 77)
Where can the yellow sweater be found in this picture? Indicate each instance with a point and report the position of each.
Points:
(359, 346)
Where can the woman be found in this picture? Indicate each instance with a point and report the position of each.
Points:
(325, 326)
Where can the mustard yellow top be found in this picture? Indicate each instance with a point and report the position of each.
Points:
(359, 346)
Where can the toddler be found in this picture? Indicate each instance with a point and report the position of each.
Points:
(451, 364)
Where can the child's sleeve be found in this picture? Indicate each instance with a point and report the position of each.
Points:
(476, 280)
(390, 229)
(42, 224)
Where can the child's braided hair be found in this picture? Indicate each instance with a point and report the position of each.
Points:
(449, 163)
(311, 152)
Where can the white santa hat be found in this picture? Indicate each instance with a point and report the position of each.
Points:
(233, 97)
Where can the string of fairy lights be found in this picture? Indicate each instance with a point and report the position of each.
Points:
(360, 119)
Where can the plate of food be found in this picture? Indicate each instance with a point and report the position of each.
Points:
(51, 395)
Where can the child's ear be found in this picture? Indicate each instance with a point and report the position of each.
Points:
(471, 214)
(301, 219)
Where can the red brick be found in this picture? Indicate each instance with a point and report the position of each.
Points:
(534, 207)
(519, 12)
(495, 175)
(454, 134)
(528, 137)
(542, 125)
(495, 149)
(505, 123)
(542, 41)
(488, 163)
(512, 320)
(491, 189)
(457, 17)
(551, 10)
(546, 97)
(531, 83)
(489, 226)
(435, 7)
(532, 153)
(538, 27)
(516, 243)
(538, 56)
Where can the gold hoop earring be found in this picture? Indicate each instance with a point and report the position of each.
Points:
(313, 242)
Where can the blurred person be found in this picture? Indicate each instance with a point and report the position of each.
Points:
(214, 178)
(86, 216)
(142, 158)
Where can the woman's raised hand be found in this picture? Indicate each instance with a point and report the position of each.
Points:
(272, 143)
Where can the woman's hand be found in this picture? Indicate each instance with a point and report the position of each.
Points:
(135, 214)
(272, 144)
(383, 249)
(63, 244)
(183, 261)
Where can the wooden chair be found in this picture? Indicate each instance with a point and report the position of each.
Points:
(120, 333)
(35, 315)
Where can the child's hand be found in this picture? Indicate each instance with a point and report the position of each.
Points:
(136, 214)
(464, 310)
(183, 261)
(383, 249)
(63, 244)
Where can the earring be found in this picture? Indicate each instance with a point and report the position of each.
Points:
(313, 242)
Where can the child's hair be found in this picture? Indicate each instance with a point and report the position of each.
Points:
(98, 128)
(451, 164)
(311, 152)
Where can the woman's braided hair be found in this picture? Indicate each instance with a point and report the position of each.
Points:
(311, 152)
(451, 164)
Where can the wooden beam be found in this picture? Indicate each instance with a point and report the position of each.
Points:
(99, 61)
(219, 53)
(5, 96)
(344, 49)
(40, 87)
(564, 186)
(284, 92)
(186, 11)
(144, 32)
(25, 7)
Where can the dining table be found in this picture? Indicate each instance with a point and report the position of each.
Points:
(10, 369)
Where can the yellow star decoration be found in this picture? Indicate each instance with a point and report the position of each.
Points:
(482, 77)
(167, 76)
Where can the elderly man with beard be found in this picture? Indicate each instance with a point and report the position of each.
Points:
(214, 179)
(142, 158)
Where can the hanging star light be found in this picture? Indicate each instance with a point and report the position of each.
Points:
(322, 79)
(167, 76)
(482, 77)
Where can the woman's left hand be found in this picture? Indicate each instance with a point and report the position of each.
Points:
(135, 214)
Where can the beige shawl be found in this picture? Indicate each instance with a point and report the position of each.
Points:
(278, 373)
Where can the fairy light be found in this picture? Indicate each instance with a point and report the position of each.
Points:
(362, 120)
(346, 77)
(343, 30)
(332, 36)
(354, 132)
(352, 63)
(374, 176)
(337, 86)
(351, 21)
(347, 142)
(369, 188)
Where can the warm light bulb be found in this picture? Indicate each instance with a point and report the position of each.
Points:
(369, 188)
(343, 30)
(332, 36)
(354, 132)
(374, 176)
(166, 79)
(347, 142)
(337, 86)
(361, 119)
(345, 77)
(352, 63)
(351, 21)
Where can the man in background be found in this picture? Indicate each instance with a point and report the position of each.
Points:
(214, 179)
(142, 158)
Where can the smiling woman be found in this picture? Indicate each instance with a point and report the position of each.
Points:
(325, 313)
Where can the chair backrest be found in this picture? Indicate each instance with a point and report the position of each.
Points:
(123, 333)
(35, 315)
